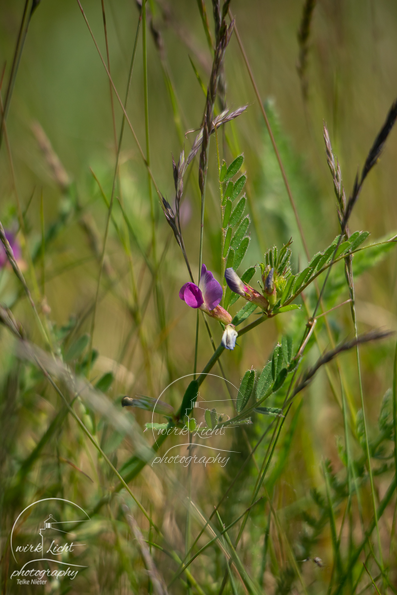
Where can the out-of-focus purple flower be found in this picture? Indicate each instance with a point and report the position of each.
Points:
(206, 296)
(246, 291)
(185, 212)
(15, 247)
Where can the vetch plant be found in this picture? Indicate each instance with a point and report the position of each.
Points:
(306, 501)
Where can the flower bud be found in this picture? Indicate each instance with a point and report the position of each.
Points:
(245, 290)
(269, 286)
(234, 282)
(229, 337)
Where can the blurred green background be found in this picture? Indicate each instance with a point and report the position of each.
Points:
(62, 85)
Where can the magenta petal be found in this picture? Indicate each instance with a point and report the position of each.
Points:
(212, 290)
(192, 295)
(15, 247)
(16, 250)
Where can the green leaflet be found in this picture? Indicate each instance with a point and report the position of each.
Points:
(77, 348)
(211, 418)
(240, 253)
(286, 347)
(357, 241)
(105, 382)
(227, 241)
(287, 289)
(277, 361)
(245, 390)
(189, 398)
(228, 192)
(265, 382)
(244, 313)
(233, 168)
(238, 186)
(230, 258)
(238, 211)
(269, 411)
(227, 212)
(302, 278)
(280, 379)
(240, 233)
(288, 308)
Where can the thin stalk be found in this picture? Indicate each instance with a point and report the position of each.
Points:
(92, 440)
(223, 259)
(15, 64)
(204, 547)
(272, 139)
(109, 215)
(380, 510)
(282, 170)
(365, 426)
(110, 86)
(146, 99)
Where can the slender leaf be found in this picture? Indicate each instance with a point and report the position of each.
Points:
(287, 289)
(233, 168)
(230, 259)
(245, 390)
(226, 214)
(277, 361)
(241, 252)
(238, 212)
(77, 348)
(223, 171)
(269, 411)
(264, 384)
(282, 375)
(105, 382)
(238, 186)
(228, 192)
(362, 236)
(227, 241)
(302, 278)
(244, 313)
(286, 346)
(240, 233)
(189, 398)
(288, 308)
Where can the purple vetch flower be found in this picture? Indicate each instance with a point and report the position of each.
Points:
(15, 247)
(246, 291)
(206, 296)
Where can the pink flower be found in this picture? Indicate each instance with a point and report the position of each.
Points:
(206, 296)
(15, 247)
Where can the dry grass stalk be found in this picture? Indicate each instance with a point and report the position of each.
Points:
(372, 158)
(303, 40)
(333, 353)
(57, 170)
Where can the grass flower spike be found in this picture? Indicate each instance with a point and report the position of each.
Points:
(206, 296)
